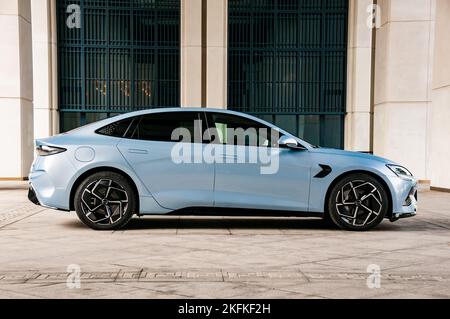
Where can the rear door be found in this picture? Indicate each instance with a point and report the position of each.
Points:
(173, 171)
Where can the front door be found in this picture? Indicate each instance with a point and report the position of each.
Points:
(278, 179)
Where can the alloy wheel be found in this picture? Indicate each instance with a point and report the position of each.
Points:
(104, 202)
(359, 203)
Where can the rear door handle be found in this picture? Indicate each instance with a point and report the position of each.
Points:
(137, 151)
(232, 158)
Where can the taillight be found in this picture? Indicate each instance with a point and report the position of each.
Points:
(46, 150)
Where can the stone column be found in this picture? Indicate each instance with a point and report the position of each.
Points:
(359, 78)
(402, 83)
(16, 89)
(216, 53)
(440, 114)
(191, 53)
(44, 67)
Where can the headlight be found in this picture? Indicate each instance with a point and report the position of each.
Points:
(399, 170)
(45, 150)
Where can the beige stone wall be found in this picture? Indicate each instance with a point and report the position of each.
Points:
(410, 87)
(216, 53)
(204, 53)
(191, 53)
(16, 88)
(359, 78)
(43, 15)
(403, 71)
(440, 111)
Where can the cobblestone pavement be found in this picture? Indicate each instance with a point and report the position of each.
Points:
(227, 257)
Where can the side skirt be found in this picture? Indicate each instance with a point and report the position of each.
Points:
(224, 211)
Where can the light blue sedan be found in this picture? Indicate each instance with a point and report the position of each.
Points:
(209, 161)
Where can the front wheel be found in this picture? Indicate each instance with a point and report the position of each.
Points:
(105, 201)
(358, 202)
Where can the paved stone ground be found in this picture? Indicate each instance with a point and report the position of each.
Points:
(173, 257)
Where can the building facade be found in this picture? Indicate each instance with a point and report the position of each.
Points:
(362, 75)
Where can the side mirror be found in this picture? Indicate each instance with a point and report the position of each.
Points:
(289, 142)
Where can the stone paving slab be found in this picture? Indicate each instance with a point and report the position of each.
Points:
(18, 213)
(221, 257)
(199, 276)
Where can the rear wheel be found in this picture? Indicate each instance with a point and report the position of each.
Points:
(105, 201)
(358, 202)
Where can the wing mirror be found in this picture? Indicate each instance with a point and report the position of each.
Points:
(289, 142)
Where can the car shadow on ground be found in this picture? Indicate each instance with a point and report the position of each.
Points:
(225, 223)
(201, 222)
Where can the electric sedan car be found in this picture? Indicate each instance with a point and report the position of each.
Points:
(208, 161)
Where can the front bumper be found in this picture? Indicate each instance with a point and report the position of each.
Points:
(406, 200)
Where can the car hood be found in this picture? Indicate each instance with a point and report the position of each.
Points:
(332, 151)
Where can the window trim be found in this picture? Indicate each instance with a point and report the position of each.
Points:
(204, 116)
(136, 120)
(210, 121)
(97, 131)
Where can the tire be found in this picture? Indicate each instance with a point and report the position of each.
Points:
(105, 201)
(358, 202)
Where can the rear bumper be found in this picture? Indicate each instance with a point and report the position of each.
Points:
(32, 196)
(49, 178)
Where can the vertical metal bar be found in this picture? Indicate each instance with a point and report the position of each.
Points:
(108, 57)
(82, 118)
(132, 105)
(344, 79)
(83, 58)
(299, 69)
(250, 87)
(60, 80)
(156, 62)
(322, 74)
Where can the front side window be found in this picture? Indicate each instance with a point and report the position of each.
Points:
(236, 130)
(167, 127)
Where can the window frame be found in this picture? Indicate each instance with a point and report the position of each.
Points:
(211, 125)
(97, 131)
(136, 120)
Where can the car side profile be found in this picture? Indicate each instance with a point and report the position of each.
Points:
(141, 163)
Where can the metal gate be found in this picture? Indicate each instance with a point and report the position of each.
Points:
(124, 56)
(287, 64)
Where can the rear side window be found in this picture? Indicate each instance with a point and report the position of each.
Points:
(160, 126)
(116, 129)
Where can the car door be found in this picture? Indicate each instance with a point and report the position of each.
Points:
(280, 177)
(174, 182)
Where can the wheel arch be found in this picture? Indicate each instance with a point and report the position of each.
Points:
(372, 174)
(98, 170)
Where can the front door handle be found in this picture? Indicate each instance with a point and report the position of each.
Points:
(137, 151)
(234, 156)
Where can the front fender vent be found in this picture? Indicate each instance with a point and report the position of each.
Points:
(324, 172)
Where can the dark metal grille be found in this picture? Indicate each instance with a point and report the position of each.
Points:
(124, 57)
(288, 57)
